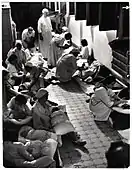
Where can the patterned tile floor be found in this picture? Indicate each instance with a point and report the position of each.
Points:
(98, 136)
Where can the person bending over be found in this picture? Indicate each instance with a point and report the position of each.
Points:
(67, 66)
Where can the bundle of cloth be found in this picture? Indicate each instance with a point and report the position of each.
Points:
(60, 121)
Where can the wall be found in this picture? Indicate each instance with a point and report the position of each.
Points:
(98, 40)
(102, 50)
(74, 29)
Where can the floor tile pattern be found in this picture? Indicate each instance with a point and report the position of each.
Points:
(98, 135)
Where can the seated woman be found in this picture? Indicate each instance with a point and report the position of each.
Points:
(20, 53)
(32, 154)
(103, 100)
(19, 111)
(47, 116)
(84, 50)
(16, 115)
(36, 76)
(67, 66)
(16, 76)
(8, 90)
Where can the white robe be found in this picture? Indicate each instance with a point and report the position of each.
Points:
(55, 51)
(45, 28)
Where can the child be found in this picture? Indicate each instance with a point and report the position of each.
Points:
(84, 50)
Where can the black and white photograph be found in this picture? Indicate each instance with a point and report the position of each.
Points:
(65, 84)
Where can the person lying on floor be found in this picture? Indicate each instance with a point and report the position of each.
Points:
(103, 99)
(28, 135)
(67, 66)
(51, 117)
(35, 57)
(32, 154)
(19, 112)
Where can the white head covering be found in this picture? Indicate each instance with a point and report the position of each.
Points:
(18, 42)
(64, 29)
(53, 34)
(42, 92)
(45, 10)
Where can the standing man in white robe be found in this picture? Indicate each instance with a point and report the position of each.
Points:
(44, 30)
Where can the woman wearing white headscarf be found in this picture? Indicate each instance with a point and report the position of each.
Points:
(45, 35)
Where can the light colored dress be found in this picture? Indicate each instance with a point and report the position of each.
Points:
(41, 116)
(85, 52)
(66, 67)
(101, 103)
(37, 74)
(55, 51)
(45, 28)
(21, 57)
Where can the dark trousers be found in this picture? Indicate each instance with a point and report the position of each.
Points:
(120, 121)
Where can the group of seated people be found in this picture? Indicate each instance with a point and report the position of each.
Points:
(33, 125)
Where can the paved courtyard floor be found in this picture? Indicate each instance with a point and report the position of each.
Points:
(97, 135)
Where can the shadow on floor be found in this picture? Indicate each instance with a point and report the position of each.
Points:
(71, 86)
(70, 153)
(108, 131)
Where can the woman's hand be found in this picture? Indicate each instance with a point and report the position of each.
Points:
(116, 103)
